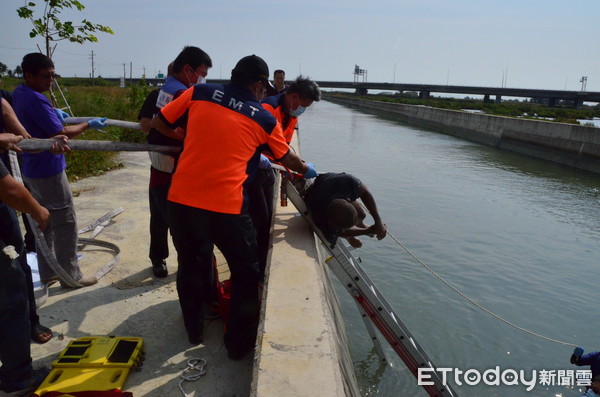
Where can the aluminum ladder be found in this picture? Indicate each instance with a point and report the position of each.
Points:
(374, 308)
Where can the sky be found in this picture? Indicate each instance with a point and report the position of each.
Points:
(513, 43)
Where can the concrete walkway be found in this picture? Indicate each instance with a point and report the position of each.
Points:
(301, 350)
(129, 301)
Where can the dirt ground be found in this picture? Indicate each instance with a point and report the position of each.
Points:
(129, 301)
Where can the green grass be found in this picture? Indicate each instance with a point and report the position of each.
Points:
(102, 101)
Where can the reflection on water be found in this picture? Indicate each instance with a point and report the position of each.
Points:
(371, 369)
(518, 235)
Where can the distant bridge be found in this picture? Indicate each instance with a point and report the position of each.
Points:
(425, 90)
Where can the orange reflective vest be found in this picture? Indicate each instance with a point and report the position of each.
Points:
(226, 131)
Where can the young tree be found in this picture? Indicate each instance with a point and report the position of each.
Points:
(52, 29)
(3, 69)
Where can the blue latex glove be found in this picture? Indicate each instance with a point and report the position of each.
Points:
(264, 163)
(62, 115)
(98, 123)
(577, 353)
(311, 173)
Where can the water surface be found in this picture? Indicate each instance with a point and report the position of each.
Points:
(516, 234)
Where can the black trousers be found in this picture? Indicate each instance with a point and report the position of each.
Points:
(159, 226)
(194, 231)
(15, 328)
(260, 200)
(17, 241)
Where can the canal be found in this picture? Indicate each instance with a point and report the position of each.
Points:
(519, 236)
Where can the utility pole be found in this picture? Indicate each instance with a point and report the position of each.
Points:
(130, 70)
(124, 76)
(504, 77)
(92, 67)
(583, 82)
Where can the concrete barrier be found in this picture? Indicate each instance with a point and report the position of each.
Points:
(302, 349)
(568, 144)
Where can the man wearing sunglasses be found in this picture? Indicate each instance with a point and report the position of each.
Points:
(44, 172)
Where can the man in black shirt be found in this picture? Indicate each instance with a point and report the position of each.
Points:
(190, 67)
(17, 375)
(332, 201)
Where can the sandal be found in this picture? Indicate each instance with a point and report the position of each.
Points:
(41, 334)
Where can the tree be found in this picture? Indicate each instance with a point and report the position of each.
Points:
(3, 69)
(52, 29)
(18, 71)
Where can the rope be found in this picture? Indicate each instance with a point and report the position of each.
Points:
(472, 301)
(40, 242)
(196, 368)
(276, 166)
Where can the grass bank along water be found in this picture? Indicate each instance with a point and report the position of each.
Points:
(568, 144)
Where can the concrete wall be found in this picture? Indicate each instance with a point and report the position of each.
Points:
(302, 348)
(573, 145)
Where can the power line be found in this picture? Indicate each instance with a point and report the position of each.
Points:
(15, 48)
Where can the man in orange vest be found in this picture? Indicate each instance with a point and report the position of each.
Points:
(286, 108)
(227, 130)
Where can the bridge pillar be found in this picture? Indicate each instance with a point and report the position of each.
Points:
(552, 102)
(486, 98)
(498, 99)
(361, 91)
(577, 103)
(424, 95)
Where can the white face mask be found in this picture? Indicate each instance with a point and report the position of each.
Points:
(199, 80)
(298, 111)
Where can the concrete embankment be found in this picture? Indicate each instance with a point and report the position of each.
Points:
(302, 348)
(568, 144)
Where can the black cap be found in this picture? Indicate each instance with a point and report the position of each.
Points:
(250, 69)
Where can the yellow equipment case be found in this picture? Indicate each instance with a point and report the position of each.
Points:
(96, 363)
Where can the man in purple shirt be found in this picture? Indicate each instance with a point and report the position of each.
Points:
(45, 172)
